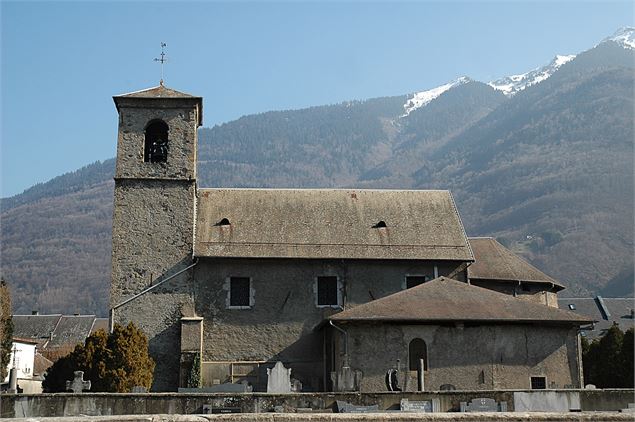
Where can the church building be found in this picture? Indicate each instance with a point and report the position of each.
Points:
(323, 280)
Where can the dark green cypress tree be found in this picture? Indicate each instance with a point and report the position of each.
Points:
(627, 359)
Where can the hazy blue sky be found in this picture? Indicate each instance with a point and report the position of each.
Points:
(63, 61)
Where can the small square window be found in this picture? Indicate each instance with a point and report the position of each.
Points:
(327, 291)
(415, 280)
(538, 383)
(239, 291)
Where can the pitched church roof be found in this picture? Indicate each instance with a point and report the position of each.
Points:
(493, 261)
(329, 223)
(444, 299)
(159, 92)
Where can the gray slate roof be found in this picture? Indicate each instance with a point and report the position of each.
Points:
(330, 223)
(159, 91)
(36, 327)
(619, 311)
(444, 299)
(493, 261)
(72, 330)
(57, 330)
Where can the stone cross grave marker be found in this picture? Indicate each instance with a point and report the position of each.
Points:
(78, 384)
(279, 379)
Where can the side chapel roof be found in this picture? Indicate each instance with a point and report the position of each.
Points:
(493, 261)
(329, 223)
(444, 300)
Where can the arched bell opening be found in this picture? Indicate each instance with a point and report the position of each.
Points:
(156, 142)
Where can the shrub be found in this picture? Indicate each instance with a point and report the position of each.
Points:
(113, 362)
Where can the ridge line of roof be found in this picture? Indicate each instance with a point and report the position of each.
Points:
(465, 238)
(332, 244)
(593, 298)
(327, 189)
(138, 91)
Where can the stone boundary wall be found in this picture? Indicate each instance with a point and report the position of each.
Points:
(358, 417)
(105, 404)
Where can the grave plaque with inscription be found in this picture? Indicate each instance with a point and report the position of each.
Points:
(423, 406)
(345, 407)
(483, 405)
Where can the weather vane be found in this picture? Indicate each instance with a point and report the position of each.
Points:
(162, 60)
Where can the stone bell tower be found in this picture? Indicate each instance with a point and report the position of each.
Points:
(153, 221)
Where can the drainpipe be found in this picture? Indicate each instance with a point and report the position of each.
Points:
(112, 310)
(345, 341)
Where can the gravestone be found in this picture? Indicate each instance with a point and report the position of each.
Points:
(296, 386)
(77, 385)
(345, 407)
(279, 379)
(483, 405)
(423, 406)
(209, 409)
(346, 379)
(629, 409)
(227, 387)
(547, 401)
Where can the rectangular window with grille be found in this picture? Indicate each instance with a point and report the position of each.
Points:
(327, 291)
(239, 291)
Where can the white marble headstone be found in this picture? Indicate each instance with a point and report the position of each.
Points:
(279, 379)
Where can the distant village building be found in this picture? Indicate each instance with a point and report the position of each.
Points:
(30, 366)
(56, 335)
(604, 311)
(338, 284)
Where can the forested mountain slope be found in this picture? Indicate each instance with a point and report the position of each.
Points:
(549, 171)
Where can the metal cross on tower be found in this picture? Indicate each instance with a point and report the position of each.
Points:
(162, 60)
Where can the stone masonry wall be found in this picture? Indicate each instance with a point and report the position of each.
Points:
(181, 118)
(507, 355)
(85, 405)
(280, 325)
(153, 226)
(152, 239)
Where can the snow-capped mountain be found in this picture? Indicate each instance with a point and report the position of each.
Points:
(423, 98)
(510, 85)
(624, 37)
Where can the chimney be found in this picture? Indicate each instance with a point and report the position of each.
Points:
(35, 313)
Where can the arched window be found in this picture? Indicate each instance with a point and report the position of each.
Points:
(156, 142)
(417, 350)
